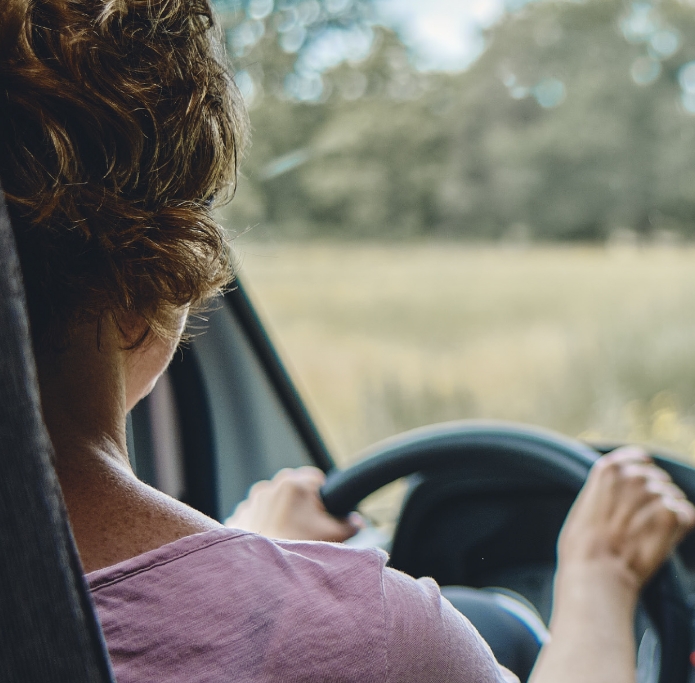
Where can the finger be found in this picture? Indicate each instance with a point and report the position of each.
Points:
(684, 510)
(666, 489)
(652, 537)
(614, 466)
(612, 463)
(596, 499)
(618, 486)
(357, 521)
(633, 477)
(339, 530)
(310, 471)
(657, 528)
(232, 520)
(626, 454)
(352, 524)
(643, 470)
(307, 474)
(608, 468)
(635, 487)
(637, 483)
(284, 473)
(311, 475)
(259, 487)
(602, 494)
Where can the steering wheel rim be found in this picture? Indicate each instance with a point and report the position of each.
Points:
(553, 457)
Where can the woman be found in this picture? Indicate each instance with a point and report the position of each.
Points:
(118, 127)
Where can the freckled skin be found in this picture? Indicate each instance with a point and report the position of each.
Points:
(87, 391)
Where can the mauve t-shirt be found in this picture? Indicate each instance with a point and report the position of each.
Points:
(227, 605)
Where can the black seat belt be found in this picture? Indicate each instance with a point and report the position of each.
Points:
(48, 629)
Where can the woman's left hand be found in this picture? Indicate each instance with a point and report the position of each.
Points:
(289, 507)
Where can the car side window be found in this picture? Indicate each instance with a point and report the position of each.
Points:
(251, 436)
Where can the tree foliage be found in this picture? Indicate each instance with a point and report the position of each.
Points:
(576, 123)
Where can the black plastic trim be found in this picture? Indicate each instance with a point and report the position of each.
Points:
(141, 450)
(197, 434)
(239, 304)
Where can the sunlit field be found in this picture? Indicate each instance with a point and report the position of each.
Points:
(591, 341)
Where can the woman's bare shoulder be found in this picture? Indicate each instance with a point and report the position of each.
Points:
(115, 516)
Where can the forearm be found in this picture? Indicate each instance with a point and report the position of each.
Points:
(591, 629)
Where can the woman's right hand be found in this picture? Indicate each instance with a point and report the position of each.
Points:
(624, 523)
(626, 520)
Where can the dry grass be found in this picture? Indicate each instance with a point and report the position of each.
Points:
(585, 340)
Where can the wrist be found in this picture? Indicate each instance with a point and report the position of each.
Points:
(591, 626)
(595, 589)
(609, 571)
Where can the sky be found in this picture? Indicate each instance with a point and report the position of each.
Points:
(444, 34)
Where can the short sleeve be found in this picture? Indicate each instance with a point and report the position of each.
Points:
(428, 640)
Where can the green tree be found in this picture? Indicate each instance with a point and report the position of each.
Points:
(575, 123)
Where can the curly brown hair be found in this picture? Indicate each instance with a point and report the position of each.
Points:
(119, 125)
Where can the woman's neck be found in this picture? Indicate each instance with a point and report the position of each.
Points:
(113, 515)
(83, 397)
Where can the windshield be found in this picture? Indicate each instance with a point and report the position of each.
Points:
(479, 211)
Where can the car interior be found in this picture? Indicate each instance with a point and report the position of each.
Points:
(484, 501)
(484, 504)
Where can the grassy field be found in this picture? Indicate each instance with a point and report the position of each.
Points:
(590, 341)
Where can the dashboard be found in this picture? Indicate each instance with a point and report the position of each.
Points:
(499, 529)
(482, 531)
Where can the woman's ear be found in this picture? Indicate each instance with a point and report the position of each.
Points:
(134, 329)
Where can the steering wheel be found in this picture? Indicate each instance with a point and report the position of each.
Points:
(553, 459)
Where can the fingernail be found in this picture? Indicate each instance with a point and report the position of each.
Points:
(356, 519)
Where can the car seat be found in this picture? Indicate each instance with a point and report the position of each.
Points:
(48, 630)
(509, 623)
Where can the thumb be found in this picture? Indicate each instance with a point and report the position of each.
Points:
(340, 529)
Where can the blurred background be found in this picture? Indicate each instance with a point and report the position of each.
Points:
(473, 208)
